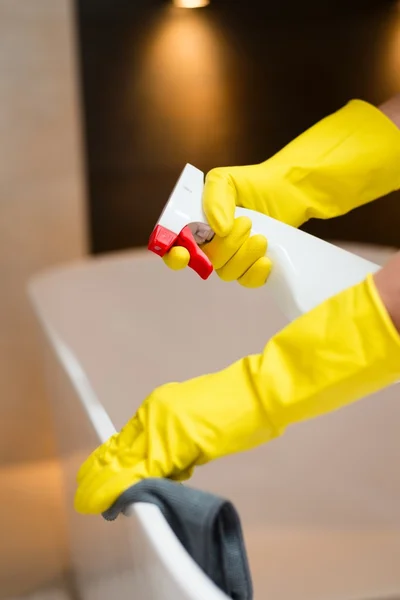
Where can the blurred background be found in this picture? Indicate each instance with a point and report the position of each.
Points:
(102, 102)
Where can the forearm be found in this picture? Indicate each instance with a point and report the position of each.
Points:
(391, 108)
(387, 282)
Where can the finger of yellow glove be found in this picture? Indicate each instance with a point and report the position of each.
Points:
(130, 432)
(221, 249)
(105, 452)
(101, 479)
(182, 475)
(249, 252)
(92, 459)
(106, 487)
(257, 275)
(124, 455)
(219, 201)
(98, 494)
(177, 258)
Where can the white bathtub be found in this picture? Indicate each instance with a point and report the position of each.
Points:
(320, 507)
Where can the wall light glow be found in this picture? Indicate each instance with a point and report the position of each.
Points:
(387, 57)
(183, 78)
(191, 3)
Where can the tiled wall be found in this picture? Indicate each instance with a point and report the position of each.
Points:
(42, 223)
(41, 199)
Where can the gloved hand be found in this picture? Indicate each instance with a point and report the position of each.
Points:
(344, 349)
(348, 159)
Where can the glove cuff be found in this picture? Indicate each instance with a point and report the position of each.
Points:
(346, 160)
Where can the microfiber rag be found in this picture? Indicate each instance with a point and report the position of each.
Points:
(206, 525)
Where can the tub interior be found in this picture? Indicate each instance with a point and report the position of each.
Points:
(319, 506)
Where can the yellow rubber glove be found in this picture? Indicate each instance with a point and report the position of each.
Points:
(341, 351)
(348, 159)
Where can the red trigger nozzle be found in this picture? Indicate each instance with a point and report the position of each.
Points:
(162, 240)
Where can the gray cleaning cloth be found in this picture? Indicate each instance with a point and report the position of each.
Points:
(206, 525)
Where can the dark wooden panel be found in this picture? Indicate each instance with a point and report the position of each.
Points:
(229, 84)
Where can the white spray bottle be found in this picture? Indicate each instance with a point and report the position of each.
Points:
(305, 270)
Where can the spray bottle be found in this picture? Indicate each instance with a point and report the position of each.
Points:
(305, 269)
